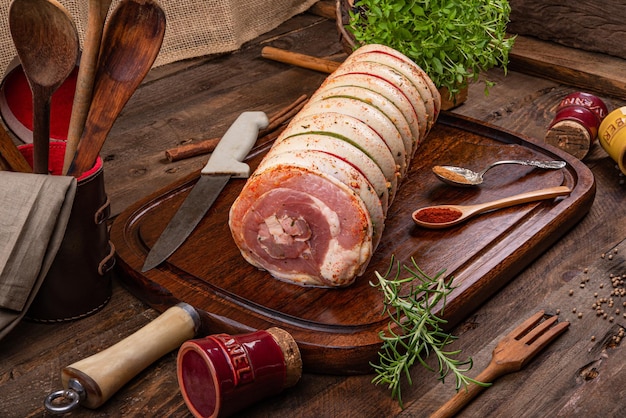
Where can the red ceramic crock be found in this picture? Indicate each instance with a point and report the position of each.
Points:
(222, 374)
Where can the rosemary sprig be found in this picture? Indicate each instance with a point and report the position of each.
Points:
(414, 331)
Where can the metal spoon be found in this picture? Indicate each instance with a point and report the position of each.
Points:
(131, 42)
(460, 213)
(459, 176)
(46, 41)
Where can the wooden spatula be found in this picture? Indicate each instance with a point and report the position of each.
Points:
(511, 354)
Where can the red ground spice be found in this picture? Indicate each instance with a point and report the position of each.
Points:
(437, 215)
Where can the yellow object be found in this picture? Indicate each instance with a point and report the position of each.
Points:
(612, 136)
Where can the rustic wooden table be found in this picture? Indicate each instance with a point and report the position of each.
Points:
(580, 374)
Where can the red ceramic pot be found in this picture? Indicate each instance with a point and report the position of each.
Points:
(221, 374)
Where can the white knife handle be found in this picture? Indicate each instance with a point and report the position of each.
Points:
(235, 145)
(102, 374)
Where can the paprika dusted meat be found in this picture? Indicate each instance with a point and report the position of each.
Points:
(313, 212)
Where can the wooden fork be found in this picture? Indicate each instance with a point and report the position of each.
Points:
(512, 353)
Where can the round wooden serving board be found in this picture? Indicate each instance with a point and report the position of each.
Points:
(337, 329)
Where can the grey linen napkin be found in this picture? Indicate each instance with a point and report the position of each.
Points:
(34, 211)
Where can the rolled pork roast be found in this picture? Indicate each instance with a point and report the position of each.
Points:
(314, 210)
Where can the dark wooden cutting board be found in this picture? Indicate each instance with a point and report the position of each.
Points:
(337, 329)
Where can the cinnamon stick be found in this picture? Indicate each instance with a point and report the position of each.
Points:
(193, 149)
(300, 60)
(208, 145)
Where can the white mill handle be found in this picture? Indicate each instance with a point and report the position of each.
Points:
(106, 372)
(532, 196)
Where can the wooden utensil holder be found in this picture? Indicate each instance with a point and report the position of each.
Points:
(79, 280)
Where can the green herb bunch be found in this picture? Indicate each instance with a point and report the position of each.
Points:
(414, 331)
(451, 40)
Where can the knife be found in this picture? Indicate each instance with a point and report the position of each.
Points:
(225, 162)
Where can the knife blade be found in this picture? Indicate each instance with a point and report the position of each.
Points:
(226, 162)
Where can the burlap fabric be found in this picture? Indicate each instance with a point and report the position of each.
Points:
(194, 27)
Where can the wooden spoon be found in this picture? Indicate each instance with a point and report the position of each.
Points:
(132, 41)
(98, 10)
(46, 41)
(460, 213)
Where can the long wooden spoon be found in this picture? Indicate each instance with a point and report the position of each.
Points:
(132, 41)
(46, 41)
(449, 215)
(97, 13)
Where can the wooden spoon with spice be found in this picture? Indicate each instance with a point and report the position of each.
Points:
(443, 216)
